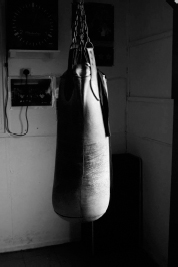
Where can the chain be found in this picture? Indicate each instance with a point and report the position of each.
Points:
(80, 32)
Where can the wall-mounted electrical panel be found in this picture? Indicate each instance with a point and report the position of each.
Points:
(30, 92)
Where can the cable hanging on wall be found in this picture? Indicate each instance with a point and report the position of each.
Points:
(6, 104)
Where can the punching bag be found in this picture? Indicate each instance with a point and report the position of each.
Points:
(81, 189)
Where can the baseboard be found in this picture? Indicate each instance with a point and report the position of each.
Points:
(38, 245)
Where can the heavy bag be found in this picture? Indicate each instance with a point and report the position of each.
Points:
(81, 189)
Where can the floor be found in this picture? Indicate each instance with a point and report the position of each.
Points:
(73, 255)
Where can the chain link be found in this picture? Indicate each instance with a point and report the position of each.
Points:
(80, 31)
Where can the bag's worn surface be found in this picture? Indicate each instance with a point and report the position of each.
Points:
(82, 175)
(81, 189)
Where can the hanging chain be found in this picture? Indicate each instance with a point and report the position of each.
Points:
(80, 38)
(80, 32)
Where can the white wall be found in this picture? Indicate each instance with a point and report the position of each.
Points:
(150, 115)
(27, 218)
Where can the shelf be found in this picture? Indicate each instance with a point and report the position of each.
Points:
(34, 54)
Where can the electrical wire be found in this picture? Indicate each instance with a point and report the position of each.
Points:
(5, 108)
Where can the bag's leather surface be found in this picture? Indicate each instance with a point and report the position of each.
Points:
(81, 188)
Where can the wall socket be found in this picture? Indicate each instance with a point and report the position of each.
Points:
(22, 70)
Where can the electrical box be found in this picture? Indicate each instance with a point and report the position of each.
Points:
(31, 91)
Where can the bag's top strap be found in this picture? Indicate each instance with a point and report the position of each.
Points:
(99, 88)
(94, 80)
(104, 101)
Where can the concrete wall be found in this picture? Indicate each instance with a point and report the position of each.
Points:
(150, 115)
(27, 218)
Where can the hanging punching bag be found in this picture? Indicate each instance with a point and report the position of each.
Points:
(81, 189)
